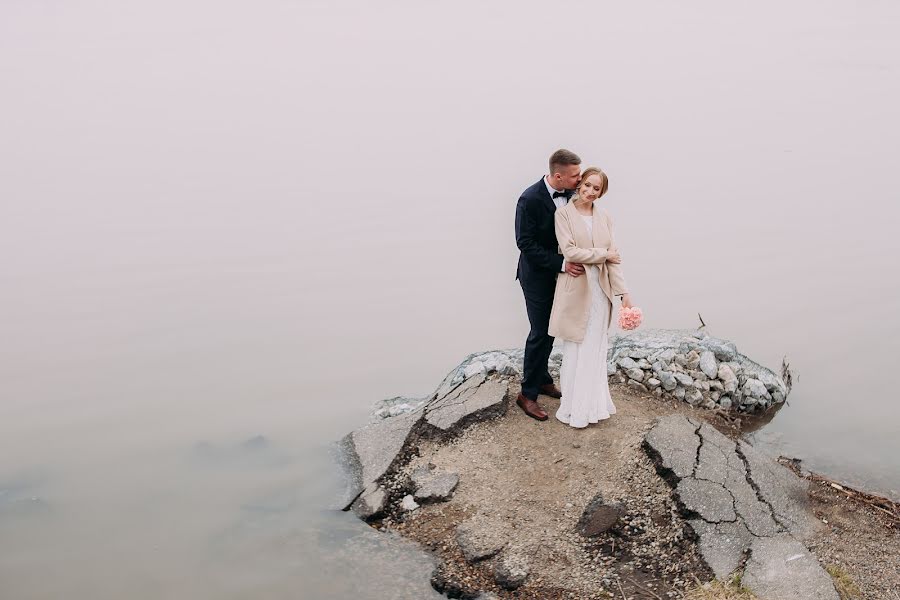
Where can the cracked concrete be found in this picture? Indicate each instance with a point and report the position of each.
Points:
(368, 453)
(739, 503)
(480, 398)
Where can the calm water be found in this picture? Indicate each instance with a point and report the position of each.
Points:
(220, 221)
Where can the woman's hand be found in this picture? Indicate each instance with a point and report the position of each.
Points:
(613, 257)
(626, 301)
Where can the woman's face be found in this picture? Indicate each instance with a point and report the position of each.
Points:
(590, 187)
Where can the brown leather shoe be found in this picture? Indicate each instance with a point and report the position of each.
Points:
(551, 390)
(531, 408)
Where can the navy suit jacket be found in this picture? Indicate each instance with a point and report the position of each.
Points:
(539, 259)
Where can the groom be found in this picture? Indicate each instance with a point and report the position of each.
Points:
(539, 264)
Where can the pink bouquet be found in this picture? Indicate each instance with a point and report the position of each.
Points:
(630, 318)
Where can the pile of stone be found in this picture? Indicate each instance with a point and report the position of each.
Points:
(694, 367)
(688, 365)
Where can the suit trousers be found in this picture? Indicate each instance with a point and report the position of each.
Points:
(538, 303)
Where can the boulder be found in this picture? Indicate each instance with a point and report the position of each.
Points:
(708, 364)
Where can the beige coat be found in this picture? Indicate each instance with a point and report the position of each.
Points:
(572, 299)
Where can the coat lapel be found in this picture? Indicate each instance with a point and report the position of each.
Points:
(579, 229)
(545, 195)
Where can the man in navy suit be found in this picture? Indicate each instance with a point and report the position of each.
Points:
(539, 264)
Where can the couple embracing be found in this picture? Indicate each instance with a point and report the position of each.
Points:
(570, 272)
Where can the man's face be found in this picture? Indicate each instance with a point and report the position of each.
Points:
(567, 177)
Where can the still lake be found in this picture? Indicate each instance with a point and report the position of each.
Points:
(226, 230)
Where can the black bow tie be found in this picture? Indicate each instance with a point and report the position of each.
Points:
(567, 194)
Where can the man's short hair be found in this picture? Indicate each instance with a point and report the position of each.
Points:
(563, 158)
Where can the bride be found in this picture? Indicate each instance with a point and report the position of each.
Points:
(582, 306)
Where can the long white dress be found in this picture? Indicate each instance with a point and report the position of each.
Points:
(585, 389)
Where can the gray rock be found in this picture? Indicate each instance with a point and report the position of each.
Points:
(480, 539)
(408, 503)
(432, 485)
(679, 393)
(782, 567)
(680, 360)
(725, 402)
(367, 453)
(685, 380)
(754, 388)
(708, 364)
(693, 397)
(637, 386)
(511, 571)
(653, 383)
(668, 381)
(466, 403)
(715, 384)
(643, 364)
(635, 374)
(665, 356)
(371, 502)
(628, 363)
(728, 378)
(777, 397)
(721, 349)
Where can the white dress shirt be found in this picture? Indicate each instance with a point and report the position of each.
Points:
(558, 201)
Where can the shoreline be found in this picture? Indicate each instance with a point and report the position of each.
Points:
(503, 501)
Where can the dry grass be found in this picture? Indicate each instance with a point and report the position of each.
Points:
(844, 584)
(720, 590)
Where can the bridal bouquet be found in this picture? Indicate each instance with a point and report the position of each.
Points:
(630, 318)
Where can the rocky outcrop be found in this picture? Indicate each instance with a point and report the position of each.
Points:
(739, 503)
(367, 455)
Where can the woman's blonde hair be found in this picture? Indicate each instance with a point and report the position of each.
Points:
(604, 180)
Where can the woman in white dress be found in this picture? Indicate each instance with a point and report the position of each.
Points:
(582, 306)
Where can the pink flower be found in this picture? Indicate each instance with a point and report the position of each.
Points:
(630, 318)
